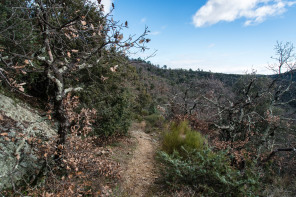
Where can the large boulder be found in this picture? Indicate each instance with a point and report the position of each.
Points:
(20, 125)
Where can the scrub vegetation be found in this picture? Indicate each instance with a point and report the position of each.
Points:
(69, 93)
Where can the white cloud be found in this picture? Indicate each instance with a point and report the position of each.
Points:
(143, 20)
(228, 62)
(107, 5)
(218, 67)
(254, 11)
(211, 45)
(154, 33)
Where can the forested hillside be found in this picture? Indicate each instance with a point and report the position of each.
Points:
(70, 92)
(250, 118)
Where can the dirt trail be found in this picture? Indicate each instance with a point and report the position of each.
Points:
(140, 173)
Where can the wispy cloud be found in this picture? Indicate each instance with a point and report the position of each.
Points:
(211, 45)
(143, 20)
(154, 33)
(254, 11)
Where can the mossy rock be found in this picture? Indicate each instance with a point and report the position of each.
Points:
(19, 123)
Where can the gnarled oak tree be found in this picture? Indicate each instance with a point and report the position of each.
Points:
(58, 38)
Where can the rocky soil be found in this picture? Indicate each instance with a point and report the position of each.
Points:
(141, 173)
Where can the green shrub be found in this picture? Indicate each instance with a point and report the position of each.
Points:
(187, 161)
(112, 100)
(113, 115)
(206, 172)
(137, 117)
(154, 120)
(144, 112)
(181, 135)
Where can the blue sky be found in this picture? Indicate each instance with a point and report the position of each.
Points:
(229, 36)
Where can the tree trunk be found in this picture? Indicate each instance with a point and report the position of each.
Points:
(63, 128)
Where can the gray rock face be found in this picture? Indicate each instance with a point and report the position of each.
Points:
(18, 124)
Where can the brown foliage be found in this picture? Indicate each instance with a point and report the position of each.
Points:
(86, 167)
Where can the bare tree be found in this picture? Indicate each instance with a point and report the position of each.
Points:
(259, 113)
(251, 116)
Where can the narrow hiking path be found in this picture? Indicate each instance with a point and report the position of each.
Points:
(141, 173)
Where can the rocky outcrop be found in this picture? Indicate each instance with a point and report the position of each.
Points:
(19, 124)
